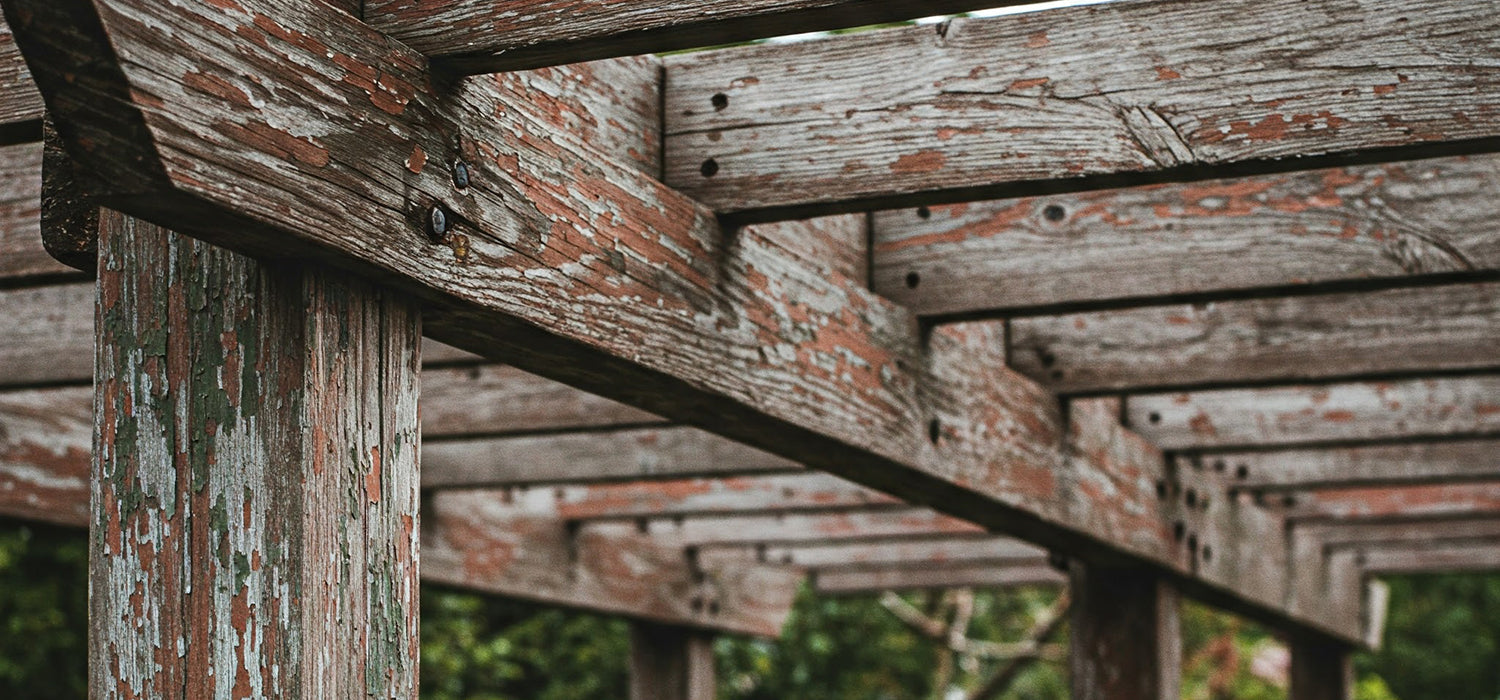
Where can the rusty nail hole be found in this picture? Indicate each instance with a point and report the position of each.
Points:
(1161, 489)
(1192, 542)
(760, 553)
(1208, 553)
(713, 607)
(720, 101)
(460, 174)
(1289, 500)
(934, 430)
(1154, 417)
(1220, 466)
(924, 213)
(710, 168)
(642, 525)
(1197, 462)
(1203, 502)
(1191, 498)
(437, 223)
(1054, 213)
(912, 280)
(1242, 472)
(697, 604)
(1048, 359)
(1178, 529)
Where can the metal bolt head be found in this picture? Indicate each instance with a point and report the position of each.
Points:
(437, 223)
(460, 174)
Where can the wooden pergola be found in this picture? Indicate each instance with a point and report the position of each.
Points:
(1151, 298)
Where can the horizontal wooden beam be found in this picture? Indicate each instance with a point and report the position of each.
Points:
(473, 541)
(487, 36)
(1331, 413)
(1409, 533)
(905, 551)
(1394, 503)
(1360, 226)
(20, 104)
(1012, 105)
(898, 578)
(790, 493)
(740, 530)
(1448, 462)
(22, 258)
(1388, 333)
(1446, 556)
(558, 259)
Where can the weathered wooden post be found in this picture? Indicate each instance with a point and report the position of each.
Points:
(1322, 669)
(670, 663)
(1126, 635)
(255, 488)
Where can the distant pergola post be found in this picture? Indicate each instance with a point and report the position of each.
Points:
(255, 488)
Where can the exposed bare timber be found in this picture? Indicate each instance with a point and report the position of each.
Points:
(1264, 341)
(867, 580)
(1365, 226)
(1330, 413)
(1009, 106)
(486, 36)
(1448, 462)
(20, 104)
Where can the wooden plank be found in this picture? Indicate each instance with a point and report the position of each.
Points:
(1393, 503)
(790, 493)
(48, 335)
(739, 530)
(216, 510)
(1438, 557)
(1321, 669)
(979, 108)
(561, 261)
(904, 552)
(1364, 226)
(897, 578)
(497, 400)
(1126, 636)
(20, 104)
(1336, 336)
(1447, 462)
(23, 260)
(625, 455)
(475, 541)
(670, 663)
(486, 36)
(46, 440)
(1337, 533)
(1332, 413)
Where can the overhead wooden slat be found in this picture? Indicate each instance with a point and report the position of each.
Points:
(485, 36)
(856, 581)
(49, 335)
(791, 493)
(1433, 558)
(1446, 462)
(559, 260)
(905, 551)
(502, 400)
(20, 104)
(1430, 501)
(22, 258)
(1359, 411)
(1005, 106)
(1330, 534)
(1350, 335)
(738, 530)
(1360, 226)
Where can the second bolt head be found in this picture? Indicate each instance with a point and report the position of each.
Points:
(437, 223)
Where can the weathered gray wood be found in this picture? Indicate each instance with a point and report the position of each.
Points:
(1370, 225)
(1350, 335)
(1126, 635)
(46, 440)
(485, 36)
(560, 260)
(626, 455)
(1322, 669)
(1448, 462)
(670, 663)
(20, 104)
(22, 257)
(854, 581)
(476, 541)
(791, 493)
(255, 491)
(963, 109)
(47, 336)
(739, 530)
(1393, 503)
(500, 400)
(1398, 534)
(1444, 556)
(1415, 408)
(902, 552)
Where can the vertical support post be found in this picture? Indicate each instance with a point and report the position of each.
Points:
(670, 663)
(1322, 668)
(1126, 635)
(255, 487)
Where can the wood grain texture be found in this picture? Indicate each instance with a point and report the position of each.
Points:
(1401, 535)
(234, 547)
(472, 539)
(48, 333)
(962, 109)
(791, 493)
(1263, 341)
(1368, 226)
(486, 36)
(867, 581)
(1126, 637)
(46, 454)
(907, 551)
(20, 102)
(1440, 557)
(671, 663)
(560, 260)
(497, 400)
(23, 259)
(1346, 412)
(1395, 503)
(739, 530)
(1448, 462)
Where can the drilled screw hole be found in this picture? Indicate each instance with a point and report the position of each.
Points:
(1054, 213)
(710, 168)
(924, 213)
(912, 280)
(720, 101)
(1154, 417)
(934, 430)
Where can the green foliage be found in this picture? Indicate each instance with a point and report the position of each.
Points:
(43, 612)
(1443, 639)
